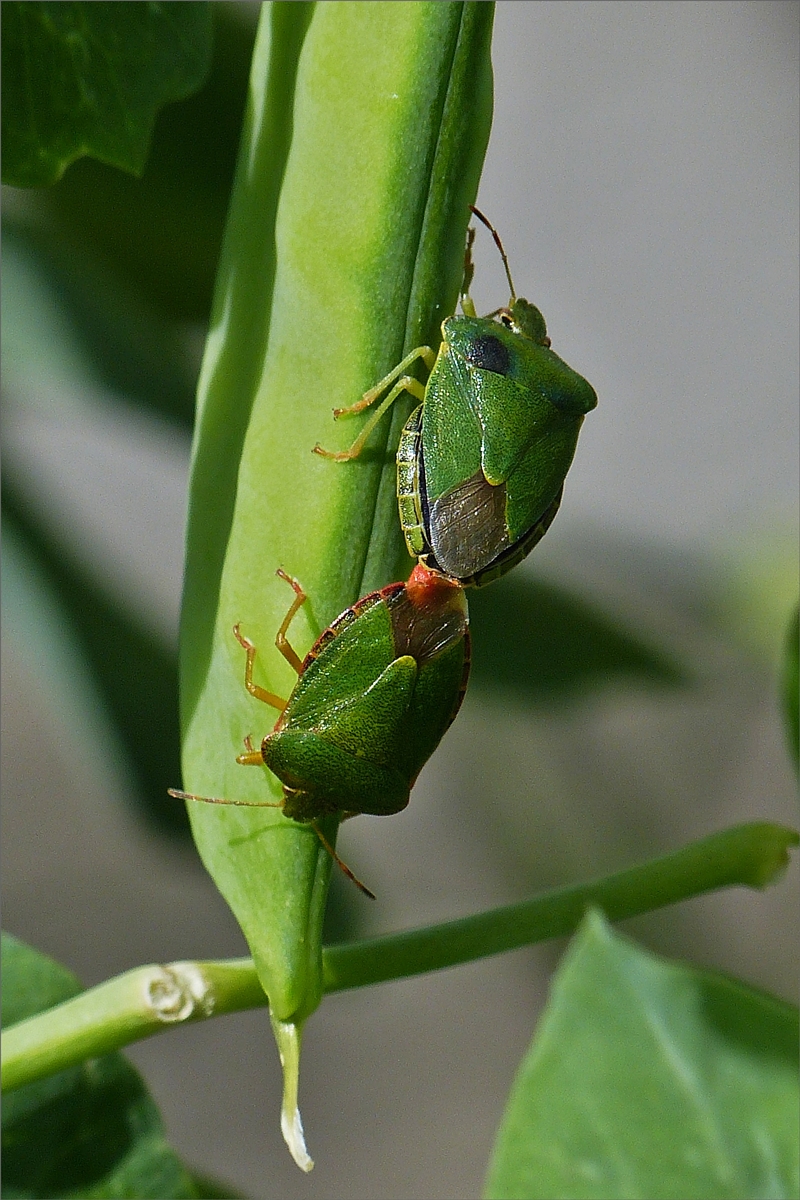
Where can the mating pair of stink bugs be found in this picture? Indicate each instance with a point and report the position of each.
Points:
(480, 472)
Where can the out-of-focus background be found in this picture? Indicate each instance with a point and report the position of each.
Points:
(643, 171)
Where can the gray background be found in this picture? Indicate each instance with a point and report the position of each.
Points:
(643, 173)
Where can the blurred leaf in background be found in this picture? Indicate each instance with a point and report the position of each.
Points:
(88, 79)
(791, 686)
(161, 234)
(539, 642)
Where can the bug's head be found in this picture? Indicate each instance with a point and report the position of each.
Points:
(520, 316)
(524, 318)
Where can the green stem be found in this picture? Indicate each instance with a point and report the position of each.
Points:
(746, 855)
(130, 1007)
(147, 1000)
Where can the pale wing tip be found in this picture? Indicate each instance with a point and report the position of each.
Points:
(292, 1130)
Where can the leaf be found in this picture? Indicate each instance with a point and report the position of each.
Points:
(790, 686)
(649, 1079)
(162, 233)
(91, 1131)
(88, 78)
(539, 641)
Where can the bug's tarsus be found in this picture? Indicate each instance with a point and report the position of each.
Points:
(281, 641)
(341, 863)
(477, 212)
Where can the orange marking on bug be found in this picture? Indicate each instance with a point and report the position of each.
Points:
(426, 587)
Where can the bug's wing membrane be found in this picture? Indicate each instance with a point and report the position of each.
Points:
(425, 626)
(468, 526)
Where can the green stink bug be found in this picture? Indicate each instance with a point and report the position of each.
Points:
(482, 460)
(374, 696)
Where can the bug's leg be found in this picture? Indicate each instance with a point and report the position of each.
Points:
(253, 688)
(423, 352)
(218, 800)
(340, 863)
(406, 384)
(289, 653)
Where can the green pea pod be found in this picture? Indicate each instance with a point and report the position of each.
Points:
(365, 131)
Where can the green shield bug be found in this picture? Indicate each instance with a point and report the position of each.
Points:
(374, 696)
(482, 460)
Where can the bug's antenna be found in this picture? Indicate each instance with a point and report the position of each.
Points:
(179, 795)
(219, 800)
(469, 266)
(477, 212)
(340, 863)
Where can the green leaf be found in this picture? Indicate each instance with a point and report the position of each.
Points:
(790, 686)
(88, 78)
(161, 234)
(537, 640)
(649, 1079)
(90, 1131)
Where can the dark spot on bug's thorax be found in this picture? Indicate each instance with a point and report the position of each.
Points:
(489, 353)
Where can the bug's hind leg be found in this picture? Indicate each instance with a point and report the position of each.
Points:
(467, 306)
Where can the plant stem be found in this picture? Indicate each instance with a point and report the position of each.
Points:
(148, 999)
(745, 855)
(125, 1009)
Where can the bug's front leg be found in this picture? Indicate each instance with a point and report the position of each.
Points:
(467, 307)
(404, 384)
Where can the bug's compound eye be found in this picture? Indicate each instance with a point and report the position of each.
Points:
(489, 353)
